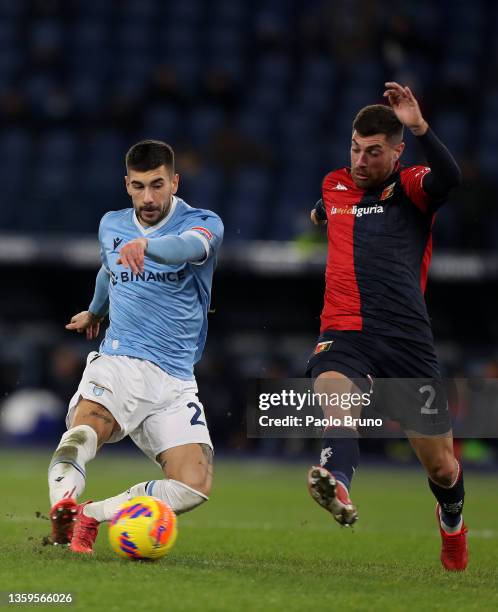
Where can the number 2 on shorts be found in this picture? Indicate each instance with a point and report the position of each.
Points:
(195, 419)
(426, 408)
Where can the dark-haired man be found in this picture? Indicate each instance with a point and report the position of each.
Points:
(374, 323)
(158, 259)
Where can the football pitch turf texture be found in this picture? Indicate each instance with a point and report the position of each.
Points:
(260, 543)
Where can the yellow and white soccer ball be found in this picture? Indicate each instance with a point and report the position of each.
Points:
(143, 528)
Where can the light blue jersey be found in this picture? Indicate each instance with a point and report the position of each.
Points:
(160, 314)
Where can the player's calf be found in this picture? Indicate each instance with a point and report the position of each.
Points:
(179, 496)
(188, 471)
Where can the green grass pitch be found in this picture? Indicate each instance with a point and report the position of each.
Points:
(260, 543)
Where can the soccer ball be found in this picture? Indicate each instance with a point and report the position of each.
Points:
(143, 528)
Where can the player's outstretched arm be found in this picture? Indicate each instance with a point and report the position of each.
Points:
(445, 173)
(406, 108)
(184, 248)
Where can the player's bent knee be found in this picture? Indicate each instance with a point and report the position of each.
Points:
(181, 496)
(191, 465)
(442, 471)
(197, 481)
(197, 496)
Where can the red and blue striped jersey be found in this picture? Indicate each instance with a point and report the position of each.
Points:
(379, 250)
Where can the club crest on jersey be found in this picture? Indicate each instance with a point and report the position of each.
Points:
(321, 347)
(98, 391)
(203, 231)
(388, 192)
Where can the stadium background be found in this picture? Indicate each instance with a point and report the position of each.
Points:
(257, 100)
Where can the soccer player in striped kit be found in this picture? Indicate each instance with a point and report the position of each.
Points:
(374, 322)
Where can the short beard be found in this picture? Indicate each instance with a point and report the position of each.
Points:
(363, 183)
(162, 215)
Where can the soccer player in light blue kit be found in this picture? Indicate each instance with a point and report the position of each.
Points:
(158, 260)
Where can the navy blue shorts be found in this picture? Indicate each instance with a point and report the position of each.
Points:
(419, 405)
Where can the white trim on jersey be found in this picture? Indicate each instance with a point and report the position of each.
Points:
(148, 230)
(204, 241)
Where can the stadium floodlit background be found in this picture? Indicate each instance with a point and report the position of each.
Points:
(257, 98)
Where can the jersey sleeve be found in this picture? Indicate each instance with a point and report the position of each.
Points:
(101, 234)
(100, 301)
(320, 212)
(207, 227)
(412, 181)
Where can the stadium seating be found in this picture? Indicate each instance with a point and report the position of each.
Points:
(81, 84)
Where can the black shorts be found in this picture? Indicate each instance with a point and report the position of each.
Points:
(419, 404)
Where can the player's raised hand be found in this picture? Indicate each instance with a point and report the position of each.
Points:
(406, 107)
(132, 255)
(87, 322)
